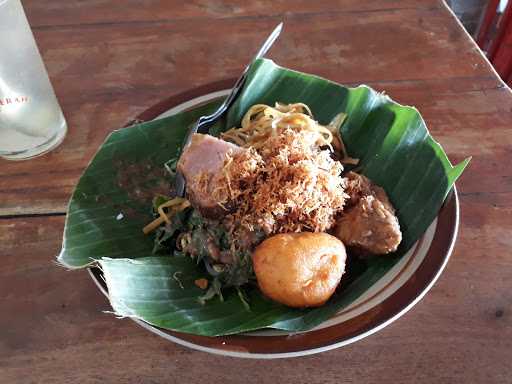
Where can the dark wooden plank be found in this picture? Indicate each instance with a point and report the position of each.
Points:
(74, 12)
(374, 46)
(106, 74)
(470, 123)
(52, 322)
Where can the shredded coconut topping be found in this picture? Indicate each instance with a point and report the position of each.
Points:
(288, 185)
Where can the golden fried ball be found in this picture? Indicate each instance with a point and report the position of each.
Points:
(299, 269)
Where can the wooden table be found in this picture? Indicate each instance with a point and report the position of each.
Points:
(111, 60)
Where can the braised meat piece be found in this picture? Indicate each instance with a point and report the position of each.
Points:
(369, 222)
(201, 164)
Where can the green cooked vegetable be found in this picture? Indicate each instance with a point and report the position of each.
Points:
(189, 234)
(396, 152)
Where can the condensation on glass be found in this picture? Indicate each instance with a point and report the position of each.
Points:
(31, 120)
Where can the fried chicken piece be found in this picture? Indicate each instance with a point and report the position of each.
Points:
(369, 222)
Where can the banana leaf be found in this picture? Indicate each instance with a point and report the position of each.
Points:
(112, 202)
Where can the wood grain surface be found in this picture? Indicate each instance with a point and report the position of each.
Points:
(110, 60)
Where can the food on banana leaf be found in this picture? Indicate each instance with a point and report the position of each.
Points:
(265, 202)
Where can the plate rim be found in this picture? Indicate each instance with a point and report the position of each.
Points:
(376, 318)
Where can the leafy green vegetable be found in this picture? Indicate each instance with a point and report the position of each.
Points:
(392, 142)
(166, 235)
(209, 243)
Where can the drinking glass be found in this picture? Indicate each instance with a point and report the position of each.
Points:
(31, 120)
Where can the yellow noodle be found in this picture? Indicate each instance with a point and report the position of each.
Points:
(262, 122)
(176, 205)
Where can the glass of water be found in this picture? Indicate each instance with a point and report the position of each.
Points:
(31, 120)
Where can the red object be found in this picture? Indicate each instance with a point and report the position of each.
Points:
(487, 22)
(499, 46)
